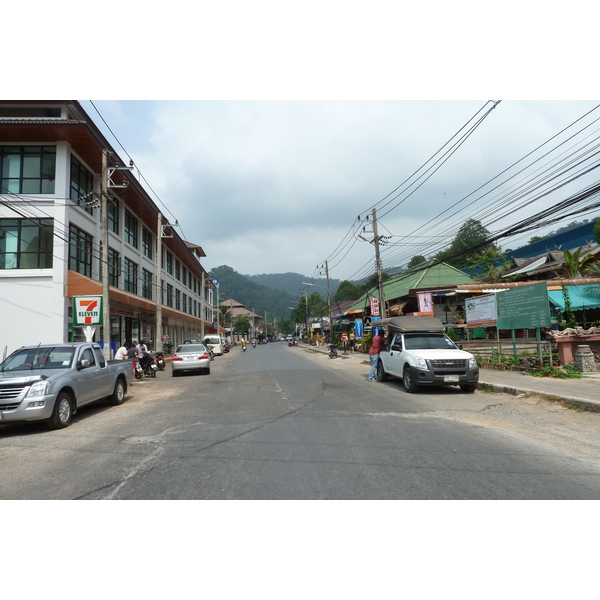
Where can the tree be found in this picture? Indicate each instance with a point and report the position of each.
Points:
(242, 324)
(415, 261)
(346, 291)
(471, 237)
(492, 263)
(597, 229)
(573, 263)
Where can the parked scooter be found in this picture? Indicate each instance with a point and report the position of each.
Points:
(160, 361)
(292, 343)
(149, 370)
(254, 343)
(332, 351)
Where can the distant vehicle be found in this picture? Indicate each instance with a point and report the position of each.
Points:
(226, 346)
(289, 338)
(418, 351)
(191, 357)
(51, 382)
(215, 343)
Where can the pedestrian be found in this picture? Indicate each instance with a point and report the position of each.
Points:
(352, 340)
(121, 353)
(141, 351)
(130, 350)
(344, 341)
(374, 353)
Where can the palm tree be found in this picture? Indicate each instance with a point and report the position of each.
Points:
(573, 265)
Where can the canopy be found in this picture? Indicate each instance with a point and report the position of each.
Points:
(582, 297)
(409, 323)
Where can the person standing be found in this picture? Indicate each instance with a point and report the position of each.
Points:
(374, 353)
(141, 351)
(344, 341)
(352, 339)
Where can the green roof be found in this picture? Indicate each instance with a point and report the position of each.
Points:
(399, 285)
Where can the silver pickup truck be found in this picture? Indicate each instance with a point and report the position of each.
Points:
(418, 351)
(50, 382)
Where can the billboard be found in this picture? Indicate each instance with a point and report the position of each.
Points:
(481, 311)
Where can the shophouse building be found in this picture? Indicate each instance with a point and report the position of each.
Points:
(51, 231)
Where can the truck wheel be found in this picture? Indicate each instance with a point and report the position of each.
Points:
(118, 396)
(381, 374)
(468, 388)
(62, 413)
(409, 383)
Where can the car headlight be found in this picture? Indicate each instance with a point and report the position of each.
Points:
(421, 363)
(38, 388)
(472, 363)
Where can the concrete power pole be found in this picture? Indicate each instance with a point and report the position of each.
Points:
(105, 274)
(158, 345)
(376, 240)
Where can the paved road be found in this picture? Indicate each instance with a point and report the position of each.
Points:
(277, 423)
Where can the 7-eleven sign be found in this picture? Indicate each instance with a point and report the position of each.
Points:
(87, 310)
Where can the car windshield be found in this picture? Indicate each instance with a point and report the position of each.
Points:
(187, 348)
(29, 359)
(427, 341)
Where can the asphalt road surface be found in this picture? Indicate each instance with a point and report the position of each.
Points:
(276, 422)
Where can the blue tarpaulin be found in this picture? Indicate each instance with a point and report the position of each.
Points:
(581, 297)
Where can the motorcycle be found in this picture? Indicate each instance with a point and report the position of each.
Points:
(332, 351)
(254, 343)
(160, 361)
(292, 343)
(149, 370)
(243, 347)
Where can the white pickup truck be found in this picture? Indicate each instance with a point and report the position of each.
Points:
(49, 382)
(418, 351)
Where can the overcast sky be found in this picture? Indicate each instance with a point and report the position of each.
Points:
(303, 119)
(275, 186)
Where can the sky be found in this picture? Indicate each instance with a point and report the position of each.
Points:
(275, 186)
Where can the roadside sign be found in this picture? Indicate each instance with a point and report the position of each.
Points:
(374, 307)
(87, 310)
(481, 311)
(525, 307)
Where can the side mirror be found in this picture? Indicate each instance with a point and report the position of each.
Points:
(459, 346)
(83, 364)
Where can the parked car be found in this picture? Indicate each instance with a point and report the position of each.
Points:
(51, 382)
(191, 357)
(226, 346)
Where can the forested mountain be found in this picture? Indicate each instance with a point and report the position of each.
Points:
(254, 296)
(292, 282)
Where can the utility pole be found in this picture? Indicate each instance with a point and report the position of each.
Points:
(329, 303)
(107, 183)
(159, 331)
(106, 329)
(375, 241)
(202, 296)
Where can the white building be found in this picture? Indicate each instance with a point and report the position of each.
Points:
(51, 157)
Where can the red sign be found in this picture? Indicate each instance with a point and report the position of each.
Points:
(374, 307)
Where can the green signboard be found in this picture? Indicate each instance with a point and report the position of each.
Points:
(524, 307)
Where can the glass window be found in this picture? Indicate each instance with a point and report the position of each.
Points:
(177, 270)
(147, 243)
(80, 251)
(146, 284)
(169, 263)
(27, 169)
(113, 216)
(169, 295)
(114, 267)
(131, 229)
(26, 243)
(130, 276)
(82, 186)
(178, 299)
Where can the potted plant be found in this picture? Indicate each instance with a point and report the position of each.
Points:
(459, 315)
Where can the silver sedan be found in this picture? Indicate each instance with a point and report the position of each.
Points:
(191, 357)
